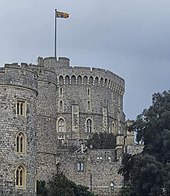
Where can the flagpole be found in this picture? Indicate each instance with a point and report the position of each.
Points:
(58, 15)
(55, 49)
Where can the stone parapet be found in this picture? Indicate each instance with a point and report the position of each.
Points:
(19, 75)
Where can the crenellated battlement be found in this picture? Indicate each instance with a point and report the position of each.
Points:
(71, 75)
(90, 76)
(19, 75)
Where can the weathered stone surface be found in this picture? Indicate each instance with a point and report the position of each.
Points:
(63, 104)
(17, 83)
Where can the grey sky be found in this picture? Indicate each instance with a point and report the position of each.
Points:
(129, 37)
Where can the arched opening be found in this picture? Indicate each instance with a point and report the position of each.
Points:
(73, 80)
(96, 81)
(20, 143)
(67, 79)
(109, 84)
(85, 79)
(61, 80)
(91, 80)
(106, 82)
(101, 81)
(61, 125)
(79, 80)
(89, 126)
(20, 177)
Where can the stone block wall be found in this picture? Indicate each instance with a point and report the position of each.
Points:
(17, 83)
(99, 170)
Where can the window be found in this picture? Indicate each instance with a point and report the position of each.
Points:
(112, 186)
(21, 108)
(88, 105)
(60, 105)
(20, 143)
(88, 91)
(20, 177)
(89, 126)
(80, 167)
(60, 92)
(61, 125)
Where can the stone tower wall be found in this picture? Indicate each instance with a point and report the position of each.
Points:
(97, 94)
(46, 122)
(17, 83)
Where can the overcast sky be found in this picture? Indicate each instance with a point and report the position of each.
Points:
(129, 37)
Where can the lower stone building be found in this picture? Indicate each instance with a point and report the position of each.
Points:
(96, 169)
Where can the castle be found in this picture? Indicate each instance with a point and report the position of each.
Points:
(51, 104)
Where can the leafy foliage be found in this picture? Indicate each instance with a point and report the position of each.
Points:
(60, 185)
(148, 173)
(102, 141)
(41, 188)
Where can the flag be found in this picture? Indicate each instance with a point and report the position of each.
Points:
(61, 14)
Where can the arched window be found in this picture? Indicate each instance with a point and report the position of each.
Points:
(73, 79)
(67, 79)
(101, 81)
(61, 125)
(79, 80)
(113, 128)
(89, 126)
(20, 142)
(85, 79)
(91, 80)
(20, 177)
(106, 82)
(61, 80)
(96, 81)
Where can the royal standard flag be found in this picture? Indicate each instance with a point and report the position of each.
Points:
(61, 14)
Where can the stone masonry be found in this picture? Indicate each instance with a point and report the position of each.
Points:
(53, 103)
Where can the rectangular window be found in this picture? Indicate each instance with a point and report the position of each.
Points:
(80, 167)
(21, 108)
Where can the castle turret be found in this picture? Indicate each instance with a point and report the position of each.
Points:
(18, 92)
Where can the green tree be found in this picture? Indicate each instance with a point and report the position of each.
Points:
(41, 188)
(60, 185)
(102, 141)
(148, 173)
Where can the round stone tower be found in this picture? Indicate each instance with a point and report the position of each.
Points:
(89, 100)
(18, 92)
(46, 119)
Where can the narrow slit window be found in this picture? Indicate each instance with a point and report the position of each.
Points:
(61, 105)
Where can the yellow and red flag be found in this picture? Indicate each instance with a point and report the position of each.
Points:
(61, 14)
